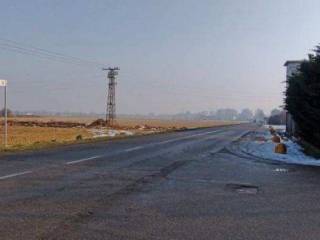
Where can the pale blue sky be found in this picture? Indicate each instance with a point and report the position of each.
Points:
(174, 55)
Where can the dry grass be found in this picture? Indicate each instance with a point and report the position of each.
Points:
(131, 122)
(19, 136)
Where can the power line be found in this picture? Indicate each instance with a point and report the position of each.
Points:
(14, 46)
(28, 53)
(185, 91)
(33, 49)
(213, 96)
(21, 48)
(53, 52)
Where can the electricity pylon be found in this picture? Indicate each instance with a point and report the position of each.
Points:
(111, 101)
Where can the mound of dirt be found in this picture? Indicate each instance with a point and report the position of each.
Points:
(56, 124)
(98, 123)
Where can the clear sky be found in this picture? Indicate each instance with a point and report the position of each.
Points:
(174, 55)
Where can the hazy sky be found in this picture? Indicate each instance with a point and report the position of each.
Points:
(174, 55)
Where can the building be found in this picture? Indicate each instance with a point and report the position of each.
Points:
(292, 67)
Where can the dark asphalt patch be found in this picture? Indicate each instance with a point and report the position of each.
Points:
(242, 188)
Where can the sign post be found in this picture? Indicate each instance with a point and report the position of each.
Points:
(4, 83)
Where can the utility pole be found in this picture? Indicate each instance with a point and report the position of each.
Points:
(111, 100)
(4, 83)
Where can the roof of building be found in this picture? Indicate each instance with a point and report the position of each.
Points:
(292, 61)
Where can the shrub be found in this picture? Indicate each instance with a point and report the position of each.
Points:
(303, 98)
(79, 137)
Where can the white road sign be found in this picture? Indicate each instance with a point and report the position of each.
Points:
(3, 83)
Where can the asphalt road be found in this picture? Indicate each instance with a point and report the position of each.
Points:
(183, 185)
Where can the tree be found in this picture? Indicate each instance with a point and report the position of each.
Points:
(9, 112)
(245, 115)
(226, 114)
(303, 98)
(259, 115)
(275, 112)
(277, 117)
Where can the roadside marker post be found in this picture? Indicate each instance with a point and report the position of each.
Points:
(4, 83)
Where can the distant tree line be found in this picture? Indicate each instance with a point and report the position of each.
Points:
(303, 98)
(228, 114)
(277, 117)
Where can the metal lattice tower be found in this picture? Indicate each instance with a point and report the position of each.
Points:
(111, 101)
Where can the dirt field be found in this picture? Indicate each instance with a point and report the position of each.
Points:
(86, 120)
(20, 137)
(132, 122)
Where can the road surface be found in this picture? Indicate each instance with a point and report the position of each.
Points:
(182, 185)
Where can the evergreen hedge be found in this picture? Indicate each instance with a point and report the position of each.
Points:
(303, 98)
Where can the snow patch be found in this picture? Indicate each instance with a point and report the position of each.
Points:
(276, 127)
(261, 145)
(100, 132)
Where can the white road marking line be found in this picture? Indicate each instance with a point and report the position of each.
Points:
(126, 150)
(15, 175)
(133, 149)
(83, 160)
(190, 136)
(169, 141)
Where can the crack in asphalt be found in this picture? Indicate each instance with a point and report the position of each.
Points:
(137, 186)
